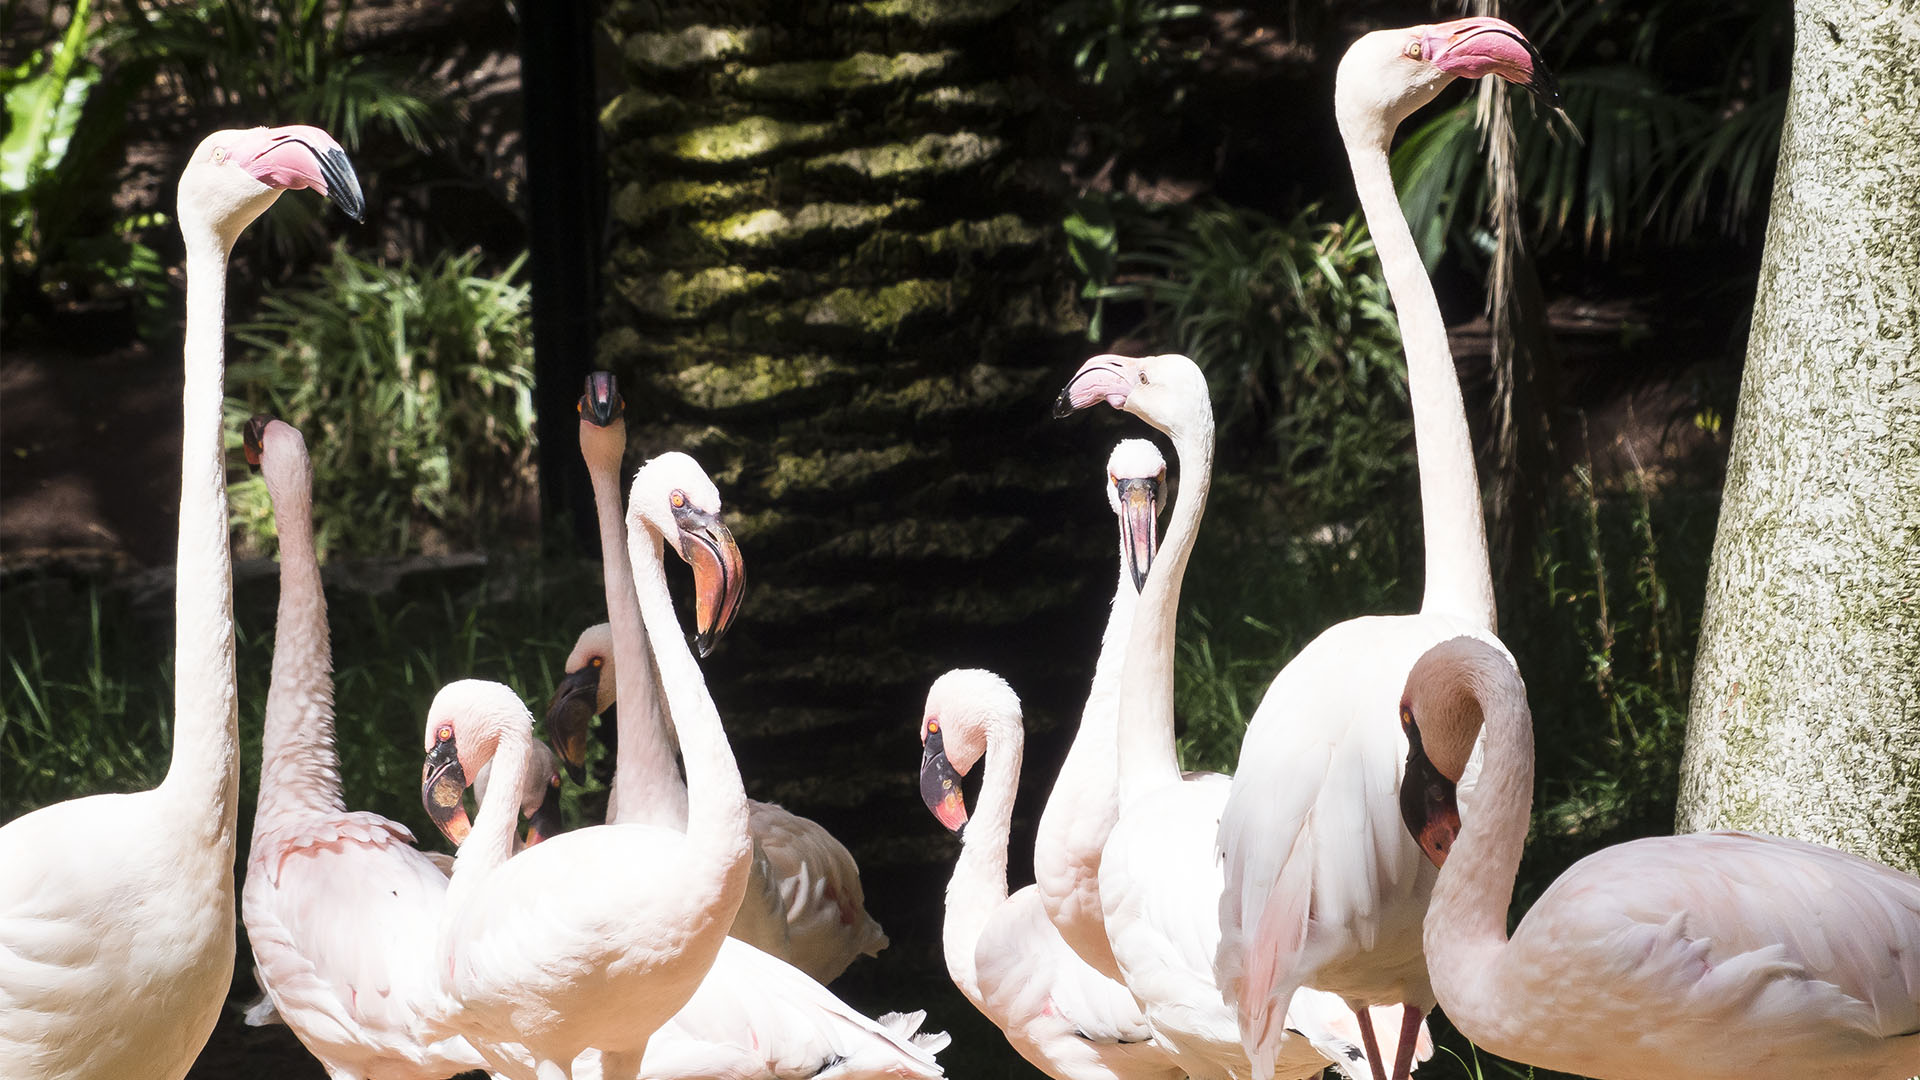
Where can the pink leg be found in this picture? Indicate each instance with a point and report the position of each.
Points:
(1372, 1046)
(1409, 1037)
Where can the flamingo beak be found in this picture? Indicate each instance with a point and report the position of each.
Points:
(1107, 376)
(1139, 514)
(602, 404)
(1427, 797)
(301, 156)
(546, 821)
(1472, 48)
(251, 436)
(443, 783)
(570, 714)
(940, 785)
(719, 576)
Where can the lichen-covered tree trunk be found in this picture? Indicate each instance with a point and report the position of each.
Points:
(1806, 700)
(837, 280)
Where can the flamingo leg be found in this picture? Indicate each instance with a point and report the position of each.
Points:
(1372, 1045)
(1409, 1038)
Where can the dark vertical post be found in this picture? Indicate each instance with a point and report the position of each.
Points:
(563, 221)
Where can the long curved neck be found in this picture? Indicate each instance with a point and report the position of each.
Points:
(1466, 924)
(1459, 581)
(1148, 759)
(492, 839)
(979, 884)
(1088, 784)
(203, 779)
(647, 786)
(716, 800)
(299, 769)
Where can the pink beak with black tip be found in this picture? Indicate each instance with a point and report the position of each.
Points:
(1139, 513)
(940, 782)
(1428, 797)
(443, 784)
(299, 156)
(1476, 47)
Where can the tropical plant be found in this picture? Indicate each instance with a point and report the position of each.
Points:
(413, 386)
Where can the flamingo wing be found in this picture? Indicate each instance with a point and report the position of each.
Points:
(820, 892)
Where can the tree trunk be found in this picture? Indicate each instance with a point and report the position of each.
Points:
(1806, 700)
(838, 280)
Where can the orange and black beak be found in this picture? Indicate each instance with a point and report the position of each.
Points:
(719, 576)
(546, 821)
(570, 714)
(1139, 523)
(1427, 797)
(602, 404)
(940, 783)
(251, 435)
(443, 783)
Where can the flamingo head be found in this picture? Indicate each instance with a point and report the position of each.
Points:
(603, 425)
(278, 451)
(673, 496)
(464, 726)
(1168, 391)
(235, 174)
(541, 801)
(1388, 74)
(1440, 714)
(584, 692)
(961, 707)
(1136, 475)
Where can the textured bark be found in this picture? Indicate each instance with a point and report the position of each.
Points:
(837, 280)
(1806, 700)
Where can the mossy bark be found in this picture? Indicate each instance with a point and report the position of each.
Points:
(837, 279)
(1806, 699)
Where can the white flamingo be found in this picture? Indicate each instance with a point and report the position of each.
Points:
(340, 907)
(1321, 887)
(1070, 1021)
(116, 911)
(1713, 956)
(1159, 880)
(1085, 800)
(805, 903)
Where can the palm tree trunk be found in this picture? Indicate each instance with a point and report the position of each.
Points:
(1804, 720)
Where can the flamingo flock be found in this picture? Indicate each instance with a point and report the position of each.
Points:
(1306, 913)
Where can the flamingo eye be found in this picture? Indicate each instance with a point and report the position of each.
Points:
(445, 733)
(219, 154)
(678, 499)
(933, 727)
(1143, 379)
(596, 662)
(1413, 50)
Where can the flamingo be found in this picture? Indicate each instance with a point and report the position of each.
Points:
(1321, 887)
(804, 903)
(340, 907)
(1711, 956)
(539, 794)
(1085, 801)
(1159, 880)
(116, 911)
(1070, 1021)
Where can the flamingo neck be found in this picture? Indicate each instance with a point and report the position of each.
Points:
(203, 778)
(1085, 801)
(299, 769)
(1466, 926)
(647, 786)
(1459, 581)
(1144, 740)
(979, 884)
(492, 840)
(716, 821)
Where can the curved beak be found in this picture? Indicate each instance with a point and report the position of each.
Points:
(1139, 520)
(442, 784)
(1427, 798)
(602, 404)
(1106, 376)
(719, 576)
(251, 434)
(940, 785)
(546, 821)
(569, 715)
(302, 156)
(1472, 48)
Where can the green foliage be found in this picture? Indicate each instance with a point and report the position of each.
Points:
(1115, 42)
(1656, 141)
(413, 386)
(1291, 322)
